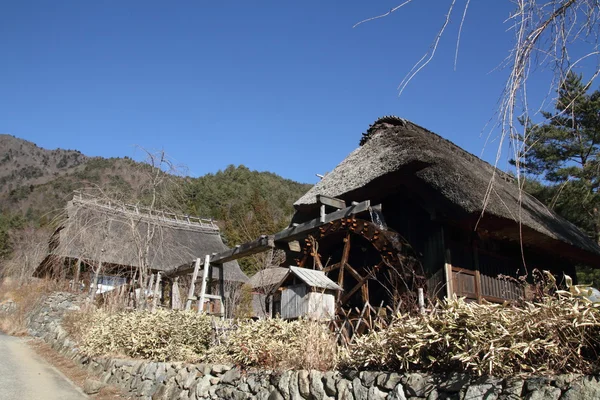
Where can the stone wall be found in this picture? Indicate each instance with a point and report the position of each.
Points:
(157, 380)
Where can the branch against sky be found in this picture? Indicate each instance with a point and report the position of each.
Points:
(549, 35)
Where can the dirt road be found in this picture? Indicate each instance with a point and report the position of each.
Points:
(25, 376)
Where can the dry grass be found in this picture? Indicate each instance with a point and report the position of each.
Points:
(560, 334)
(163, 335)
(74, 371)
(186, 336)
(27, 297)
(278, 344)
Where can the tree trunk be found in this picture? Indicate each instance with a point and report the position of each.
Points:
(94, 285)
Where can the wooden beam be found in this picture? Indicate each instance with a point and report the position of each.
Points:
(303, 261)
(203, 287)
(317, 259)
(353, 272)
(247, 249)
(359, 285)
(296, 232)
(343, 262)
(331, 201)
(331, 267)
(268, 242)
(188, 303)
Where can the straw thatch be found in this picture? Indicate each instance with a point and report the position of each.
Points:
(396, 151)
(115, 236)
(267, 278)
(262, 283)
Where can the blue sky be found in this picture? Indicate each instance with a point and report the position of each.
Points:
(281, 86)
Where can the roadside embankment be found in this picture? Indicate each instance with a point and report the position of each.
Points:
(176, 380)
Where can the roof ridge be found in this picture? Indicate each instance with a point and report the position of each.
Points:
(386, 119)
(165, 218)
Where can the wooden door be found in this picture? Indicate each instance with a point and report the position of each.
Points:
(465, 283)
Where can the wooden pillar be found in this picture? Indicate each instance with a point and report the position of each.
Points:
(224, 307)
(151, 284)
(94, 285)
(76, 275)
(190, 297)
(156, 292)
(448, 274)
(477, 273)
(343, 262)
(175, 295)
(203, 287)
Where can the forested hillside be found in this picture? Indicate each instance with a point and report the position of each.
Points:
(245, 203)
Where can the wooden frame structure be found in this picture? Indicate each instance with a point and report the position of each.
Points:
(300, 242)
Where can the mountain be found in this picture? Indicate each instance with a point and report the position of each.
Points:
(36, 183)
(23, 163)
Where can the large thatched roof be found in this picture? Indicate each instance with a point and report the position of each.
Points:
(395, 149)
(116, 235)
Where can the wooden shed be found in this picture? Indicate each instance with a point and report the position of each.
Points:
(305, 293)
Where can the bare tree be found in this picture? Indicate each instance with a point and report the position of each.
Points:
(29, 246)
(135, 227)
(549, 35)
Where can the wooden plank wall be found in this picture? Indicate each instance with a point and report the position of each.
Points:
(293, 301)
(493, 288)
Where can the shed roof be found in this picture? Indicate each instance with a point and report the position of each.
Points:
(394, 148)
(312, 278)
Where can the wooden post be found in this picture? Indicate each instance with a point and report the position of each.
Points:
(203, 287)
(175, 295)
(477, 273)
(156, 292)
(343, 262)
(421, 301)
(448, 274)
(222, 290)
(94, 285)
(76, 276)
(150, 284)
(190, 297)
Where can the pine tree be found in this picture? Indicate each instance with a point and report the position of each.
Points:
(565, 153)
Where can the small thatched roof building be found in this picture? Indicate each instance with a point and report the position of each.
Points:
(266, 279)
(118, 235)
(262, 283)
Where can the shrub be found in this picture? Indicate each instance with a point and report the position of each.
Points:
(162, 335)
(279, 344)
(560, 334)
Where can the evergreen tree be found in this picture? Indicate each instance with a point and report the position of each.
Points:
(565, 153)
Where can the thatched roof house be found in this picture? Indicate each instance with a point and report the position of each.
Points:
(464, 219)
(118, 235)
(398, 153)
